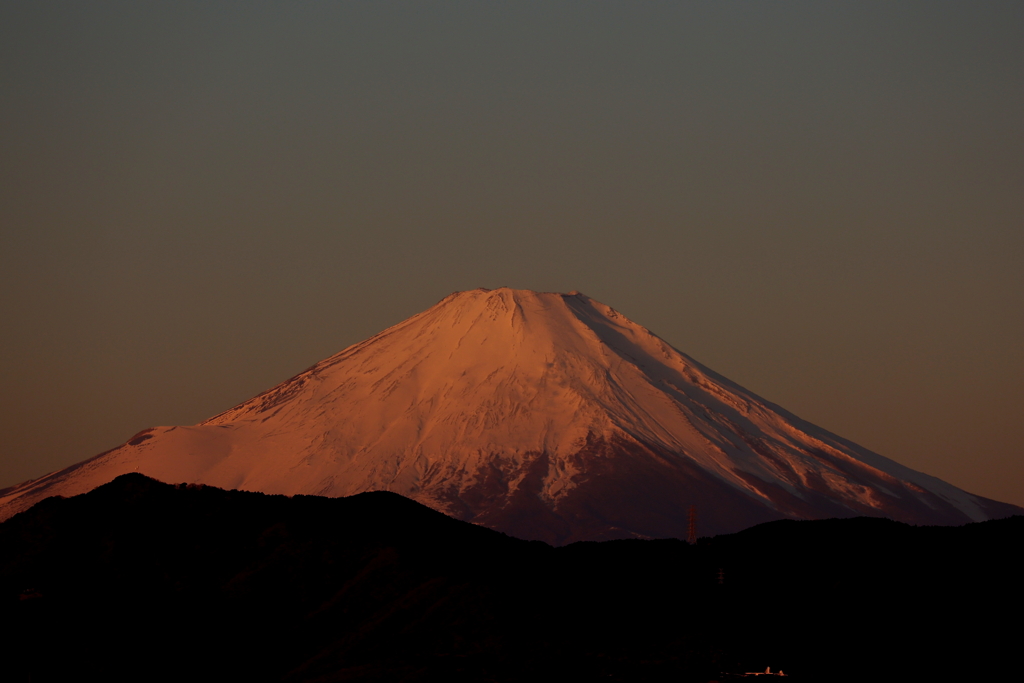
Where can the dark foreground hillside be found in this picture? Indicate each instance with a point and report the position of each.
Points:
(139, 580)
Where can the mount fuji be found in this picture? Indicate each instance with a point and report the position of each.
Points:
(546, 416)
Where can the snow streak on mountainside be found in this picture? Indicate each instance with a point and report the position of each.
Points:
(543, 415)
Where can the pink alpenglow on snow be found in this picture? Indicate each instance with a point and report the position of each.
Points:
(546, 416)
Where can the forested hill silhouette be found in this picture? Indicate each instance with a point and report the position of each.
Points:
(143, 580)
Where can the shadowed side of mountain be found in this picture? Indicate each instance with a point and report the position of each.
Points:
(628, 491)
(633, 490)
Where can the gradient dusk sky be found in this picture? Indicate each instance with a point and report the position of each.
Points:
(822, 201)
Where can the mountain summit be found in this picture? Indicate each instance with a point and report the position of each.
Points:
(546, 416)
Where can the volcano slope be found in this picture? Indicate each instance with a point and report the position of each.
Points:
(546, 416)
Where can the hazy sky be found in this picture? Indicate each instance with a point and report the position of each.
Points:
(823, 201)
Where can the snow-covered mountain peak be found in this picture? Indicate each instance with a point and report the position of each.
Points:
(545, 415)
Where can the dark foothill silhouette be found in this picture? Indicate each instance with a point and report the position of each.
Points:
(139, 580)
